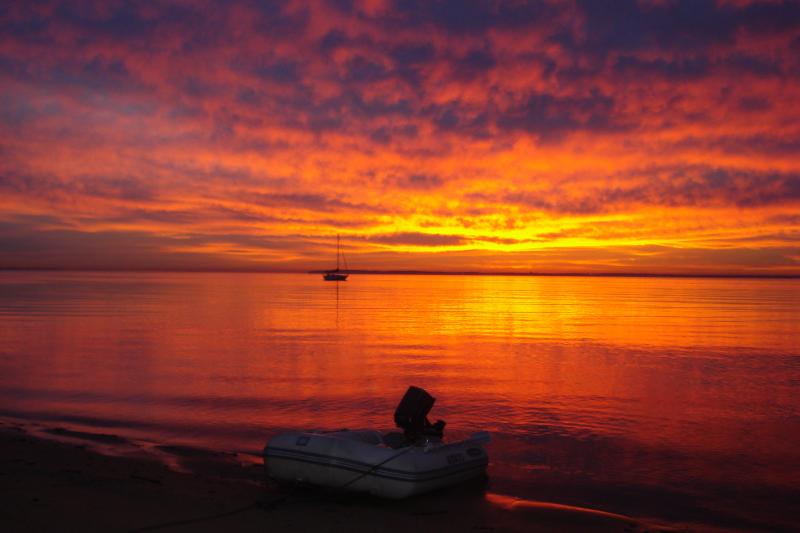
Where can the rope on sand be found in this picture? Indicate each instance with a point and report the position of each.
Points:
(254, 505)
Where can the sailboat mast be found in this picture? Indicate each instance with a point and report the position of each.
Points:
(337, 252)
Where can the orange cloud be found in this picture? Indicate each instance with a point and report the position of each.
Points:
(526, 136)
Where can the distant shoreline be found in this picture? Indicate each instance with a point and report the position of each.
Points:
(563, 274)
(417, 273)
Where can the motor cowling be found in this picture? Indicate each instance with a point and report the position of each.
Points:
(411, 415)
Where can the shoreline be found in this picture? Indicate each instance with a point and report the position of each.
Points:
(61, 480)
(414, 272)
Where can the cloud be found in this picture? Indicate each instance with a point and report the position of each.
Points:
(30, 246)
(682, 70)
(117, 187)
(470, 16)
(630, 25)
(672, 187)
(493, 130)
(418, 239)
(550, 116)
(417, 181)
(309, 201)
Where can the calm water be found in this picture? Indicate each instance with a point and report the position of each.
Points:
(670, 398)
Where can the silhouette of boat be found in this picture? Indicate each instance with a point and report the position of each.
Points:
(338, 274)
(392, 465)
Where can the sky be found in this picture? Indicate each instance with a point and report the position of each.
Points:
(579, 136)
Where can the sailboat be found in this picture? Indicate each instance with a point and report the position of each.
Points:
(336, 275)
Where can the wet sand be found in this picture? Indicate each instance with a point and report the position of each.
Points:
(57, 479)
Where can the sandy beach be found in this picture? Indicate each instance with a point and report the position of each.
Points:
(58, 479)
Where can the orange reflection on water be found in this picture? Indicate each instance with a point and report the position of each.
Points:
(654, 381)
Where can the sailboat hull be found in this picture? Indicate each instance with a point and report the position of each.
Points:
(336, 275)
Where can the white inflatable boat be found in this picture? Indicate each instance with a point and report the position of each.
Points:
(391, 466)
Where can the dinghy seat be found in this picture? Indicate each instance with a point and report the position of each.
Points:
(411, 416)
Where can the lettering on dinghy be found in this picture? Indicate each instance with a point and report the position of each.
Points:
(302, 440)
(455, 458)
(474, 452)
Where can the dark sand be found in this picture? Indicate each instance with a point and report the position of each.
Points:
(57, 480)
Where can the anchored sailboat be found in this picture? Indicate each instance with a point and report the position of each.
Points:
(337, 275)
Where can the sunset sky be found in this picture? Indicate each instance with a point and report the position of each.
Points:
(574, 136)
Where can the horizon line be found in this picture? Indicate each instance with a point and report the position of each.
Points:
(413, 272)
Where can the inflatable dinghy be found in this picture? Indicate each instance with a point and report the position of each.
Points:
(395, 465)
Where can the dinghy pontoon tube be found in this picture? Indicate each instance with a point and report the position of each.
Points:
(392, 466)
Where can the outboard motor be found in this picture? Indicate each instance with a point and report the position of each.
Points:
(412, 415)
